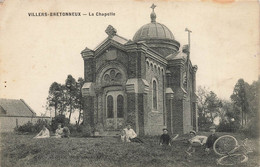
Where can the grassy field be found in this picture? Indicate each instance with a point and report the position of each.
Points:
(22, 150)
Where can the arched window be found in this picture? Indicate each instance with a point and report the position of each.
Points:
(120, 106)
(147, 64)
(154, 95)
(110, 107)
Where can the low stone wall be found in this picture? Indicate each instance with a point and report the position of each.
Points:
(7, 124)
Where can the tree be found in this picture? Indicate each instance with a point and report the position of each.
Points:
(240, 100)
(227, 113)
(71, 94)
(213, 105)
(79, 100)
(229, 120)
(54, 97)
(66, 98)
(252, 115)
(253, 98)
(208, 107)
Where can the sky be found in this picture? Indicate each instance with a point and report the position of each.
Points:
(37, 51)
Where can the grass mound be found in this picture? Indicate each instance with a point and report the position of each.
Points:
(23, 150)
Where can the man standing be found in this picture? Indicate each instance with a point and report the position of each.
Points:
(211, 139)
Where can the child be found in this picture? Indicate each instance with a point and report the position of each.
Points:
(165, 138)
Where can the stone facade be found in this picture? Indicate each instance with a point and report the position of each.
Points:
(148, 82)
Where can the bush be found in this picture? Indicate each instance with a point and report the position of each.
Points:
(252, 129)
(29, 127)
(75, 130)
(204, 123)
(99, 128)
(39, 124)
(225, 126)
(59, 119)
(86, 131)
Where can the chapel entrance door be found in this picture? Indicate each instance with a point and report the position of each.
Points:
(115, 107)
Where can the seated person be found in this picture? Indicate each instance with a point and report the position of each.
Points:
(130, 135)
(66, 132)
(211, 139)
(195, 141)
(165, 138)
(44, 133)
(59, 132)
(123, 136)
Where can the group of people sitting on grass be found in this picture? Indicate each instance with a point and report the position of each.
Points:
(129, 135)
(59, 133)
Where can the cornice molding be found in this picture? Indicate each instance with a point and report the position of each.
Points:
(142, 47)
(86, 54)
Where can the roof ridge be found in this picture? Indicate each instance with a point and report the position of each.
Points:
(16, 107)
(28, 106)
(122, 37)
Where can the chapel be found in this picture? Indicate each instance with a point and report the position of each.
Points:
(148, 81)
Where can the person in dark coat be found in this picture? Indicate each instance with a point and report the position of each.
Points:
(211, 139)
(165, 138)
(66, 132)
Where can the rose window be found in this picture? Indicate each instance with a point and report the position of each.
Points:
(112, 75)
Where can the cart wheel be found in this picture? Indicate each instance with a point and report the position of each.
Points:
(225, 144)
(232, 159)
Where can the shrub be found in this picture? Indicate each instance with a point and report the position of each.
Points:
(86, 131)
(99, 128)
(59, 119)
(29, 127)
(204, 123)
(39, 124)
(252, 128)
(225, 126)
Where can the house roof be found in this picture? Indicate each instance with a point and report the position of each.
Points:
(15, 107)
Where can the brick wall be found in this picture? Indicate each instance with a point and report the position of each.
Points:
(89, 70)
(155, 120)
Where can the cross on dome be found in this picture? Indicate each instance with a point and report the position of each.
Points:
(153, 15)
(153, 6)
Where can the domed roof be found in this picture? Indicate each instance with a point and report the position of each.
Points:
(153, 30)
